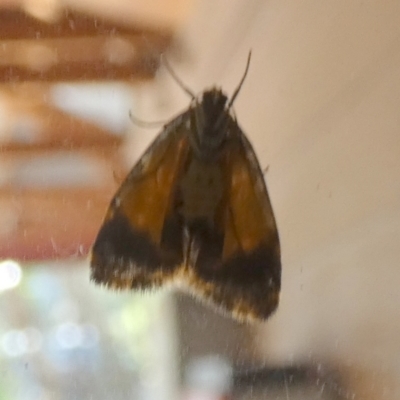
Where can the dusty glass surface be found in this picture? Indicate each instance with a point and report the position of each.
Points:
(320, 107)
(61, 337)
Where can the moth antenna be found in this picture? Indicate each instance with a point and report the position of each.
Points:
(176, 78)
(241, 81)
(145, 124)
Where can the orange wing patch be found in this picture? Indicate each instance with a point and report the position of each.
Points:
(144, 199)
(250, 220)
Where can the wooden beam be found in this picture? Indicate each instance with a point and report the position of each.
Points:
(95, 167)
(50, 224)
(79, 48)
(52, 129)
(16, 24)
(75, 72)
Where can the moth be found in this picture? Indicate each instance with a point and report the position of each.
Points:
(194, 212)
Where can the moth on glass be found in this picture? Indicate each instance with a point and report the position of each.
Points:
(194, 212)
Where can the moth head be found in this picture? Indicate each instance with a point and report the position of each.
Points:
(211, 117)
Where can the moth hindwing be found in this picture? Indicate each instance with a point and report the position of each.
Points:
(195, 211)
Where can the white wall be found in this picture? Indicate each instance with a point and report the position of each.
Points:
(321, 106)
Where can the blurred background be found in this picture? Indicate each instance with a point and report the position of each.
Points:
(321, 107)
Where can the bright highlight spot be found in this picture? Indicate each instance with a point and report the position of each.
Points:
(16, 343)
(69, 335)
(10, 274)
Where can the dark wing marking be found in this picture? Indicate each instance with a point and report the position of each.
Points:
(127, 253)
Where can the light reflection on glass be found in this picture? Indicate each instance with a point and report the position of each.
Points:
(10, 274)
(68, 335)
(14, 343)
(61, 334)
